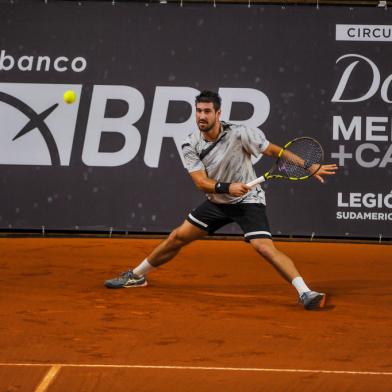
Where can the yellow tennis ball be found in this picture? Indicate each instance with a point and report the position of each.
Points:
(69, 96)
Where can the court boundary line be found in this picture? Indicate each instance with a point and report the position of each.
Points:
(48, 378)
(58, 366)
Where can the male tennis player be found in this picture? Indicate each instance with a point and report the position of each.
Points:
(218, 158)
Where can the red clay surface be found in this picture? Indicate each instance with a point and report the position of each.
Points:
(218, 304)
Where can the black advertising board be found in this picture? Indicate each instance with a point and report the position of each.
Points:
(112, 158)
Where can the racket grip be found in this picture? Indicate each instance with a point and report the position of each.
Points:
(258, 180)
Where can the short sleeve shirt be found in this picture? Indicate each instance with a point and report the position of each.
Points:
(227, 159)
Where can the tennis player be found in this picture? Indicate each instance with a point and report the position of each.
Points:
(218, 158)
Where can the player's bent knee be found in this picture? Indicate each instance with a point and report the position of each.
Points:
(176, 239)
(266, 250)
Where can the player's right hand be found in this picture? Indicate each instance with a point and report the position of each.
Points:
(238, 189)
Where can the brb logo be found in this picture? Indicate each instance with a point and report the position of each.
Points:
(38, 128)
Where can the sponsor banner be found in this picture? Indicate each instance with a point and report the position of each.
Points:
(363, 32)
(113, 158)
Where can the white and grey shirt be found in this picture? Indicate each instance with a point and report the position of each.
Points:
(227, 159)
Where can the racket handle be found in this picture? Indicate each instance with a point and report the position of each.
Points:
(258, 180)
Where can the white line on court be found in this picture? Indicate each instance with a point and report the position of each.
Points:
(233, 369)
(47, 380)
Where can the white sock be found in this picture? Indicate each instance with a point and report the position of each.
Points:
(143, 268)
(300, 285)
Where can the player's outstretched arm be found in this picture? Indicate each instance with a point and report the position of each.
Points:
(325, 170)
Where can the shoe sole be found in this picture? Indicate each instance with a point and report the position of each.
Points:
(135, 285)
(108, 286)
(317, 302)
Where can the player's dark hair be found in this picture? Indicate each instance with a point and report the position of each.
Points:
(210, 96)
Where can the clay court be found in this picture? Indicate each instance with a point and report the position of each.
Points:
(216, 318)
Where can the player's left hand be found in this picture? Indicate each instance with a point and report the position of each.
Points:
(325, 170)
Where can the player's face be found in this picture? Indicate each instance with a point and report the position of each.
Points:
(206, 116)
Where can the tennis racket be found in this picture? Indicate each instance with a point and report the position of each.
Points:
(299, 159)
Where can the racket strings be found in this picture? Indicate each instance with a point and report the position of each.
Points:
(301, 158)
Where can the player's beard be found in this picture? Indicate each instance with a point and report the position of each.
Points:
(207, 127)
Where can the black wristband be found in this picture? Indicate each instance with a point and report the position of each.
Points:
(222, 187)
